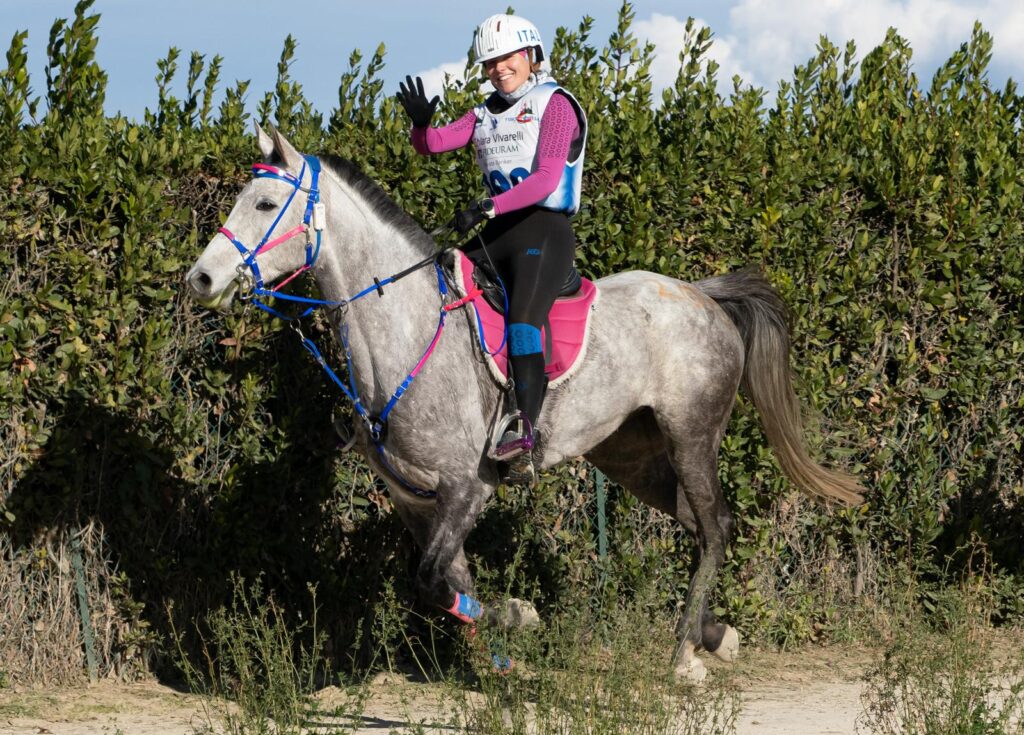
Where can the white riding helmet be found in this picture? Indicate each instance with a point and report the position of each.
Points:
(503, 34)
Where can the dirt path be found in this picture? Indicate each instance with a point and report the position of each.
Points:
(814, 691)
(811, 691)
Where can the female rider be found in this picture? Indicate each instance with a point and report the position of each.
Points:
(529, 137)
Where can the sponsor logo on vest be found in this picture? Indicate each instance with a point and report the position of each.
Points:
(517, 136)
(499, 143)
(526, 114)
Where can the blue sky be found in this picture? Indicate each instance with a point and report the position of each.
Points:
(761, 40)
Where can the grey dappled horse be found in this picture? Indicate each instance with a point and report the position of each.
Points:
(648, 405)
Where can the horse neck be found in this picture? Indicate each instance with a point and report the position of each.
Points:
(387, 334)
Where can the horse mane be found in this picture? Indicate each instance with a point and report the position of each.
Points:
(386, 207)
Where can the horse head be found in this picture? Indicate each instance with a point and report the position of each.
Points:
(272, 230)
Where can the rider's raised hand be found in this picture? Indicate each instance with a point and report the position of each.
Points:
(412, 97)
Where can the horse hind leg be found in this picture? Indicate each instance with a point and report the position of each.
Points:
(637, 457)
(720, 639)
(700, 494)
(656, 483)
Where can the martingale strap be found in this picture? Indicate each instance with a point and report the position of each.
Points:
(377, 425)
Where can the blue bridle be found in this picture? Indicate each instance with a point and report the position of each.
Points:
(314, 218)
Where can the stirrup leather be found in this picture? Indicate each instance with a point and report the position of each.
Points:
(513, 437)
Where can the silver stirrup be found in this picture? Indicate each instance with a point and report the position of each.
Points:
(525, 430)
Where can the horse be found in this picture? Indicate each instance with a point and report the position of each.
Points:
(647, 405)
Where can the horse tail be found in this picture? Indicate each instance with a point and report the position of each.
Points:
(762, 319)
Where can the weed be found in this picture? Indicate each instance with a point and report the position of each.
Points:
(259, 670)
(590, 674)
(942, 676)
(15, 710)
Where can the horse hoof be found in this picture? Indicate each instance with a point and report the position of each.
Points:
(514, 614)
(691, 671)
(729, 649)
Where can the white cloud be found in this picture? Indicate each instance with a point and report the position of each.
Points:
(1004, 19)
(668, 34)
(780, 34)
(433, 79)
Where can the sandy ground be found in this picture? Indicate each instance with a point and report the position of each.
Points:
(814, 691)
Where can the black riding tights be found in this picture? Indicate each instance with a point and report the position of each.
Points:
(532, 250)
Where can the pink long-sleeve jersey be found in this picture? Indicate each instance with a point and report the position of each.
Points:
(558, 128)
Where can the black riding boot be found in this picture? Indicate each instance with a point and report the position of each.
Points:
(528, 372)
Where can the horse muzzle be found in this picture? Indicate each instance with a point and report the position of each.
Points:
(203, 288)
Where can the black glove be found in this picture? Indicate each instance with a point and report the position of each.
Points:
(412, 97)
(473, 215)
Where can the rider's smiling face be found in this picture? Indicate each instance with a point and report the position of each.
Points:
(508, 72)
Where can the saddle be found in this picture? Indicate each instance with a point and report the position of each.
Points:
(487, 281)
(564, 336)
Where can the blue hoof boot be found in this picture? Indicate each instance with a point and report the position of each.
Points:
(501, 664)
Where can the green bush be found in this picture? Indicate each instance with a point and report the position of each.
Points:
(886, 212)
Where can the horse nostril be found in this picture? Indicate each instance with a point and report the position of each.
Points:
(201, 283)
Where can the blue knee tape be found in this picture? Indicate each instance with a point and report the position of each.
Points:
(524, 339)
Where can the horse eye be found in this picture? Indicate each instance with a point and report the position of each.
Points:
(265, 205)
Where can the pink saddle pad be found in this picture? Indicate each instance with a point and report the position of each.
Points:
(569, 318)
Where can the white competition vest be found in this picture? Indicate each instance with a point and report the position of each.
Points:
(506, 147)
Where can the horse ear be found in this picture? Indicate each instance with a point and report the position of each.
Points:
(291, 158)
(266, 144)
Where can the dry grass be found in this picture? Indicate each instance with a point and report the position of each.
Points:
(41, 640)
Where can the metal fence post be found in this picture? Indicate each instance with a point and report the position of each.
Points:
(602, 533)
(83, 605)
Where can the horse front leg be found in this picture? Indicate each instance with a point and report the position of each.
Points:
(420, 517)
(443, 579)
(440, 528)
(417, 516)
